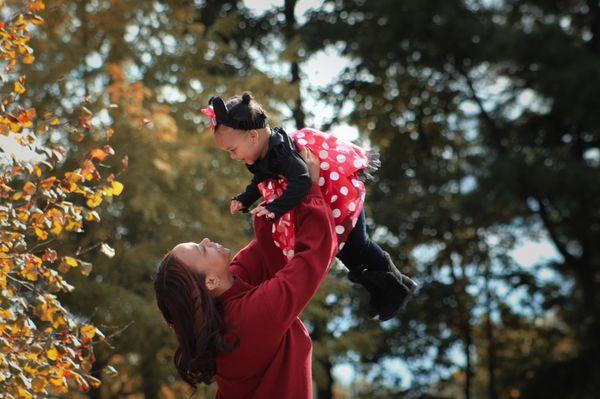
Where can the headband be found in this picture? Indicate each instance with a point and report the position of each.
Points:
(218, 114)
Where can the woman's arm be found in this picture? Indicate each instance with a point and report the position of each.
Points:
(289, 291)
(250, 263)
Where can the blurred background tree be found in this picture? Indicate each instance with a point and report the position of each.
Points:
(484, 114)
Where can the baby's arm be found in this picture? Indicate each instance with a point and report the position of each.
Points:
(250, 195)
(296, 172)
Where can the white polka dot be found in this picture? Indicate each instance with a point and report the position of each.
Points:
(270, 185)
(334, 176)
(353, 222)
(321, 181)
(276, 243)
(339, 229)
(336, 213)
(326, 146)
(323, 154)
(340, 158)
(342, 245)
(355, 183)
(334, 198)
(302, 141)
(324, 165)
(344, 190)
(273, 229)
(362, 196)
(290, 253)
(300, 135)
(357, 163)
(352, 206)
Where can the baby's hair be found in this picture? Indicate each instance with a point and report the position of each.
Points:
(246, 109)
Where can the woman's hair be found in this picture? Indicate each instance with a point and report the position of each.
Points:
(245, 109)
(195, 317)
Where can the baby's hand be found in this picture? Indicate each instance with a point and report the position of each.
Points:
(235, 206)
(262, 211)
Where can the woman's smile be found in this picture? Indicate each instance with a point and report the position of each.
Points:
(217, 246)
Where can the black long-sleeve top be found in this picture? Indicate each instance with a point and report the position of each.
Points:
(282, 160)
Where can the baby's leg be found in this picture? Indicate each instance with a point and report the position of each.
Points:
(373, 268)
(360, 252)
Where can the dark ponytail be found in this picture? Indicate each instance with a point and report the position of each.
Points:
(247, 97)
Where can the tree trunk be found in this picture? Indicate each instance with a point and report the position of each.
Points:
(491, 341)
(96, 372)
(468, 336)
(290, 32)
(325, 391)
(150, 379)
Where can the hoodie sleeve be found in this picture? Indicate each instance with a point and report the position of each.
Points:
(250, 263)
(286, 294)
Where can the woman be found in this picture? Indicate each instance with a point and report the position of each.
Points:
(238, 322)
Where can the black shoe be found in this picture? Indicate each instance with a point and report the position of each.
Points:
(388, 294)
(390, 289)
(355, 275)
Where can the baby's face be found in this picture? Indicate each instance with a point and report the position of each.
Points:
(242, 145)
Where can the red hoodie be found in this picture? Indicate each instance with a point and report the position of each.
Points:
(273, 359)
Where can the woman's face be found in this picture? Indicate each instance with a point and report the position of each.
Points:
(240, 144)
(205, 257)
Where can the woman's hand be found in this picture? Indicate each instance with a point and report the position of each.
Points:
(312, 162)
(235, 206)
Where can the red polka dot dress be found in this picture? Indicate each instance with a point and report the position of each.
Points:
(340, 163)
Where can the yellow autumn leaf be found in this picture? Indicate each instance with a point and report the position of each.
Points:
(40, 233)
(29, 188)
(73, 177)
(88, 331)
(52, 354)
(94, 200)
(19, 88)
(71, 261)
(28, 59)
(55, 121)
(17, 196)
(117, 188)
(23, 394)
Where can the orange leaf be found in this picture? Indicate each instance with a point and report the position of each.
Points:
(29, 188)
(98, 154)
(36, 6)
